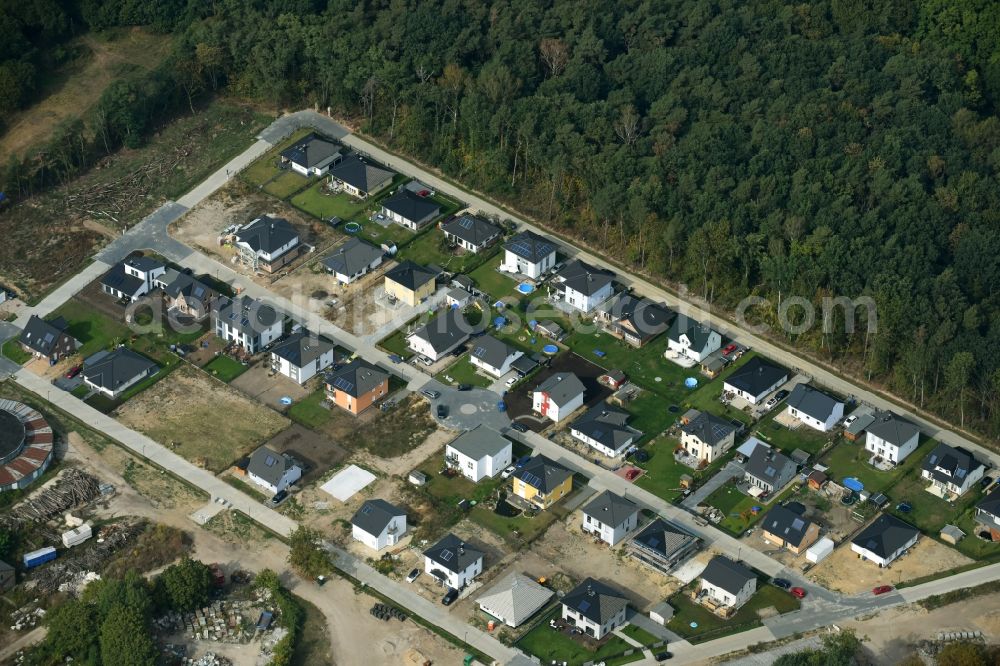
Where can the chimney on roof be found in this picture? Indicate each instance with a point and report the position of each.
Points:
(590, 590)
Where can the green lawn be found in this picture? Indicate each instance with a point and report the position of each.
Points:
(104, 404)
(310, 411)
(803, 437)
(930, 513)
(552, 646)
(640, 635)
(12, 349)
(710, 626)
(320, 202)
(80, 391)
(225, 368)
(377, 234)
(650, 415)
(286, 184)
(463, 372)
(972, 546)
(396, 343)
(663, 472)
(251, 489)
(265, 167)
(94, 331)
(518, 529)
(432, 248)
(737, 507)
(493, 282)
(851, 459)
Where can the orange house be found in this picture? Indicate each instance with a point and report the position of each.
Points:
(357, 385)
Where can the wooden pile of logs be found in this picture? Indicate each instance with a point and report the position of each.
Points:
(72, 488)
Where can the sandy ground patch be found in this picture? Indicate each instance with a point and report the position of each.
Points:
(402, 465)
(184, 412)
(842, 571)
(268, 387)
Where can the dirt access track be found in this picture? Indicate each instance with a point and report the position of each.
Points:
(185, 410)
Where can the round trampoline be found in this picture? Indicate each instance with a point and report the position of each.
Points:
(499, 321)
(352, 227)
(691, 382)
(550, 349)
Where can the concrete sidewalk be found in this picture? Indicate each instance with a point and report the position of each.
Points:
(63, 292)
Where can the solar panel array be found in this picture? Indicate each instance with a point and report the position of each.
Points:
(446, 555)
(584, 606)
(343, 384)
(531, 479)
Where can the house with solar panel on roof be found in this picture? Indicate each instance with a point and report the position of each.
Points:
(662, 546)
(352, 260)
(272, 470)
(493, 356)
(582, 286)
(357, 385)
(48, 339)
(637, 321)
(312, 155)
(787, 527)
(605, 428)
(471, 232)
(131, 279)
(706, 437)
(453, 562)
(884, 540)
(594, 608)
(768, 471)
(378, 524)
(814, 408)
(528, 254)
(558, 396)
(952, 471)
(891, 438)
(609, 517)
(247, 322)
(408, 209)
(359, 177)
(542, 482)
(267, 243)
(302, 355)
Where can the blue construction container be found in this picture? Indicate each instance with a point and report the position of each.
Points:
(40, 556)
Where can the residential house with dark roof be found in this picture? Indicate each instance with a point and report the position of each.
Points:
(692, 339)
(728, 583)
(409, 283)
(267, 243)
(453, 562)
(359, 177)
(528, 254)
(357, 385)
(769, 469)
(113, 373)
(609, 517)
(493, 356)
(471, 232)
(247, 322)
(186, 295)
(755, 380)
(787, 527)
(48, 339)
(271, 470)
(410, 210)
(662, 546)
(312, 155)
(605, 429)
(352, 260)
(952, 471)
(479, 453)
(558, 396)
(594, 608)
(988, 515)
(514, 599)
(814, 408)
(131, 279)
(542, 482)
(891, 437)
(582, 286)
(637, 321)
(439, 336)
(885, 539)
(302, 355)
(378, 524)
(707, 437)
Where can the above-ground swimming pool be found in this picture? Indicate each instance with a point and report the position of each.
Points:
(525, 287)
(550, 349)
(352, 227)
(852, 483)
(690, 382)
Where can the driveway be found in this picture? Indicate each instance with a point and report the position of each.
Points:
(468, 409)
(732, 470)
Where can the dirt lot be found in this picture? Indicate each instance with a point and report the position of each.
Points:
(842, 571)
(268, 387)
(309, 447)
(519, 400)
(183, 412)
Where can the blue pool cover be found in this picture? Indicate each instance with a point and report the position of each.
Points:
(853, 484)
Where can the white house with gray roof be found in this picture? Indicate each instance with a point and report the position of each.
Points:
(471, 232)
(493, 356)
(582, 286)
(132, 278)
(250, 323)
(814, 408)
(408, 209)
(445, 331)
(891, 437)
(114, 372)
(267, 243)
(885, 539)
(312, 156)
(755, 380)
(594, 608)
(605, 429)
(952, 471)
(359, 177)
(768, 469)
(727, 582)
(707, 437)
(352, 260)
(302, 355)
(610, 517)
(528, 254)
(378, 524)
(558, 396)
(272, 470)
(479, 453)
(514, 599)
(692, 339)
(453, 562)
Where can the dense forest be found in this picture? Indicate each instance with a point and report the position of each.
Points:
(832, 148)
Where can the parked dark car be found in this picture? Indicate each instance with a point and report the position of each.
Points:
(464, 387)
(450, 596)
(520, 427)
(442, 411)
(782, 583)
(663, 656)
(781, 395)
(279, 497)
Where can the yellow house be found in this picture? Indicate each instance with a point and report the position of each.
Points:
(542, 482)
(786, 526)
(409, 283)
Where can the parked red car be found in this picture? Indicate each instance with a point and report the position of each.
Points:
(74, 371)
(798, 592)
(881, 589)
(729, 349)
